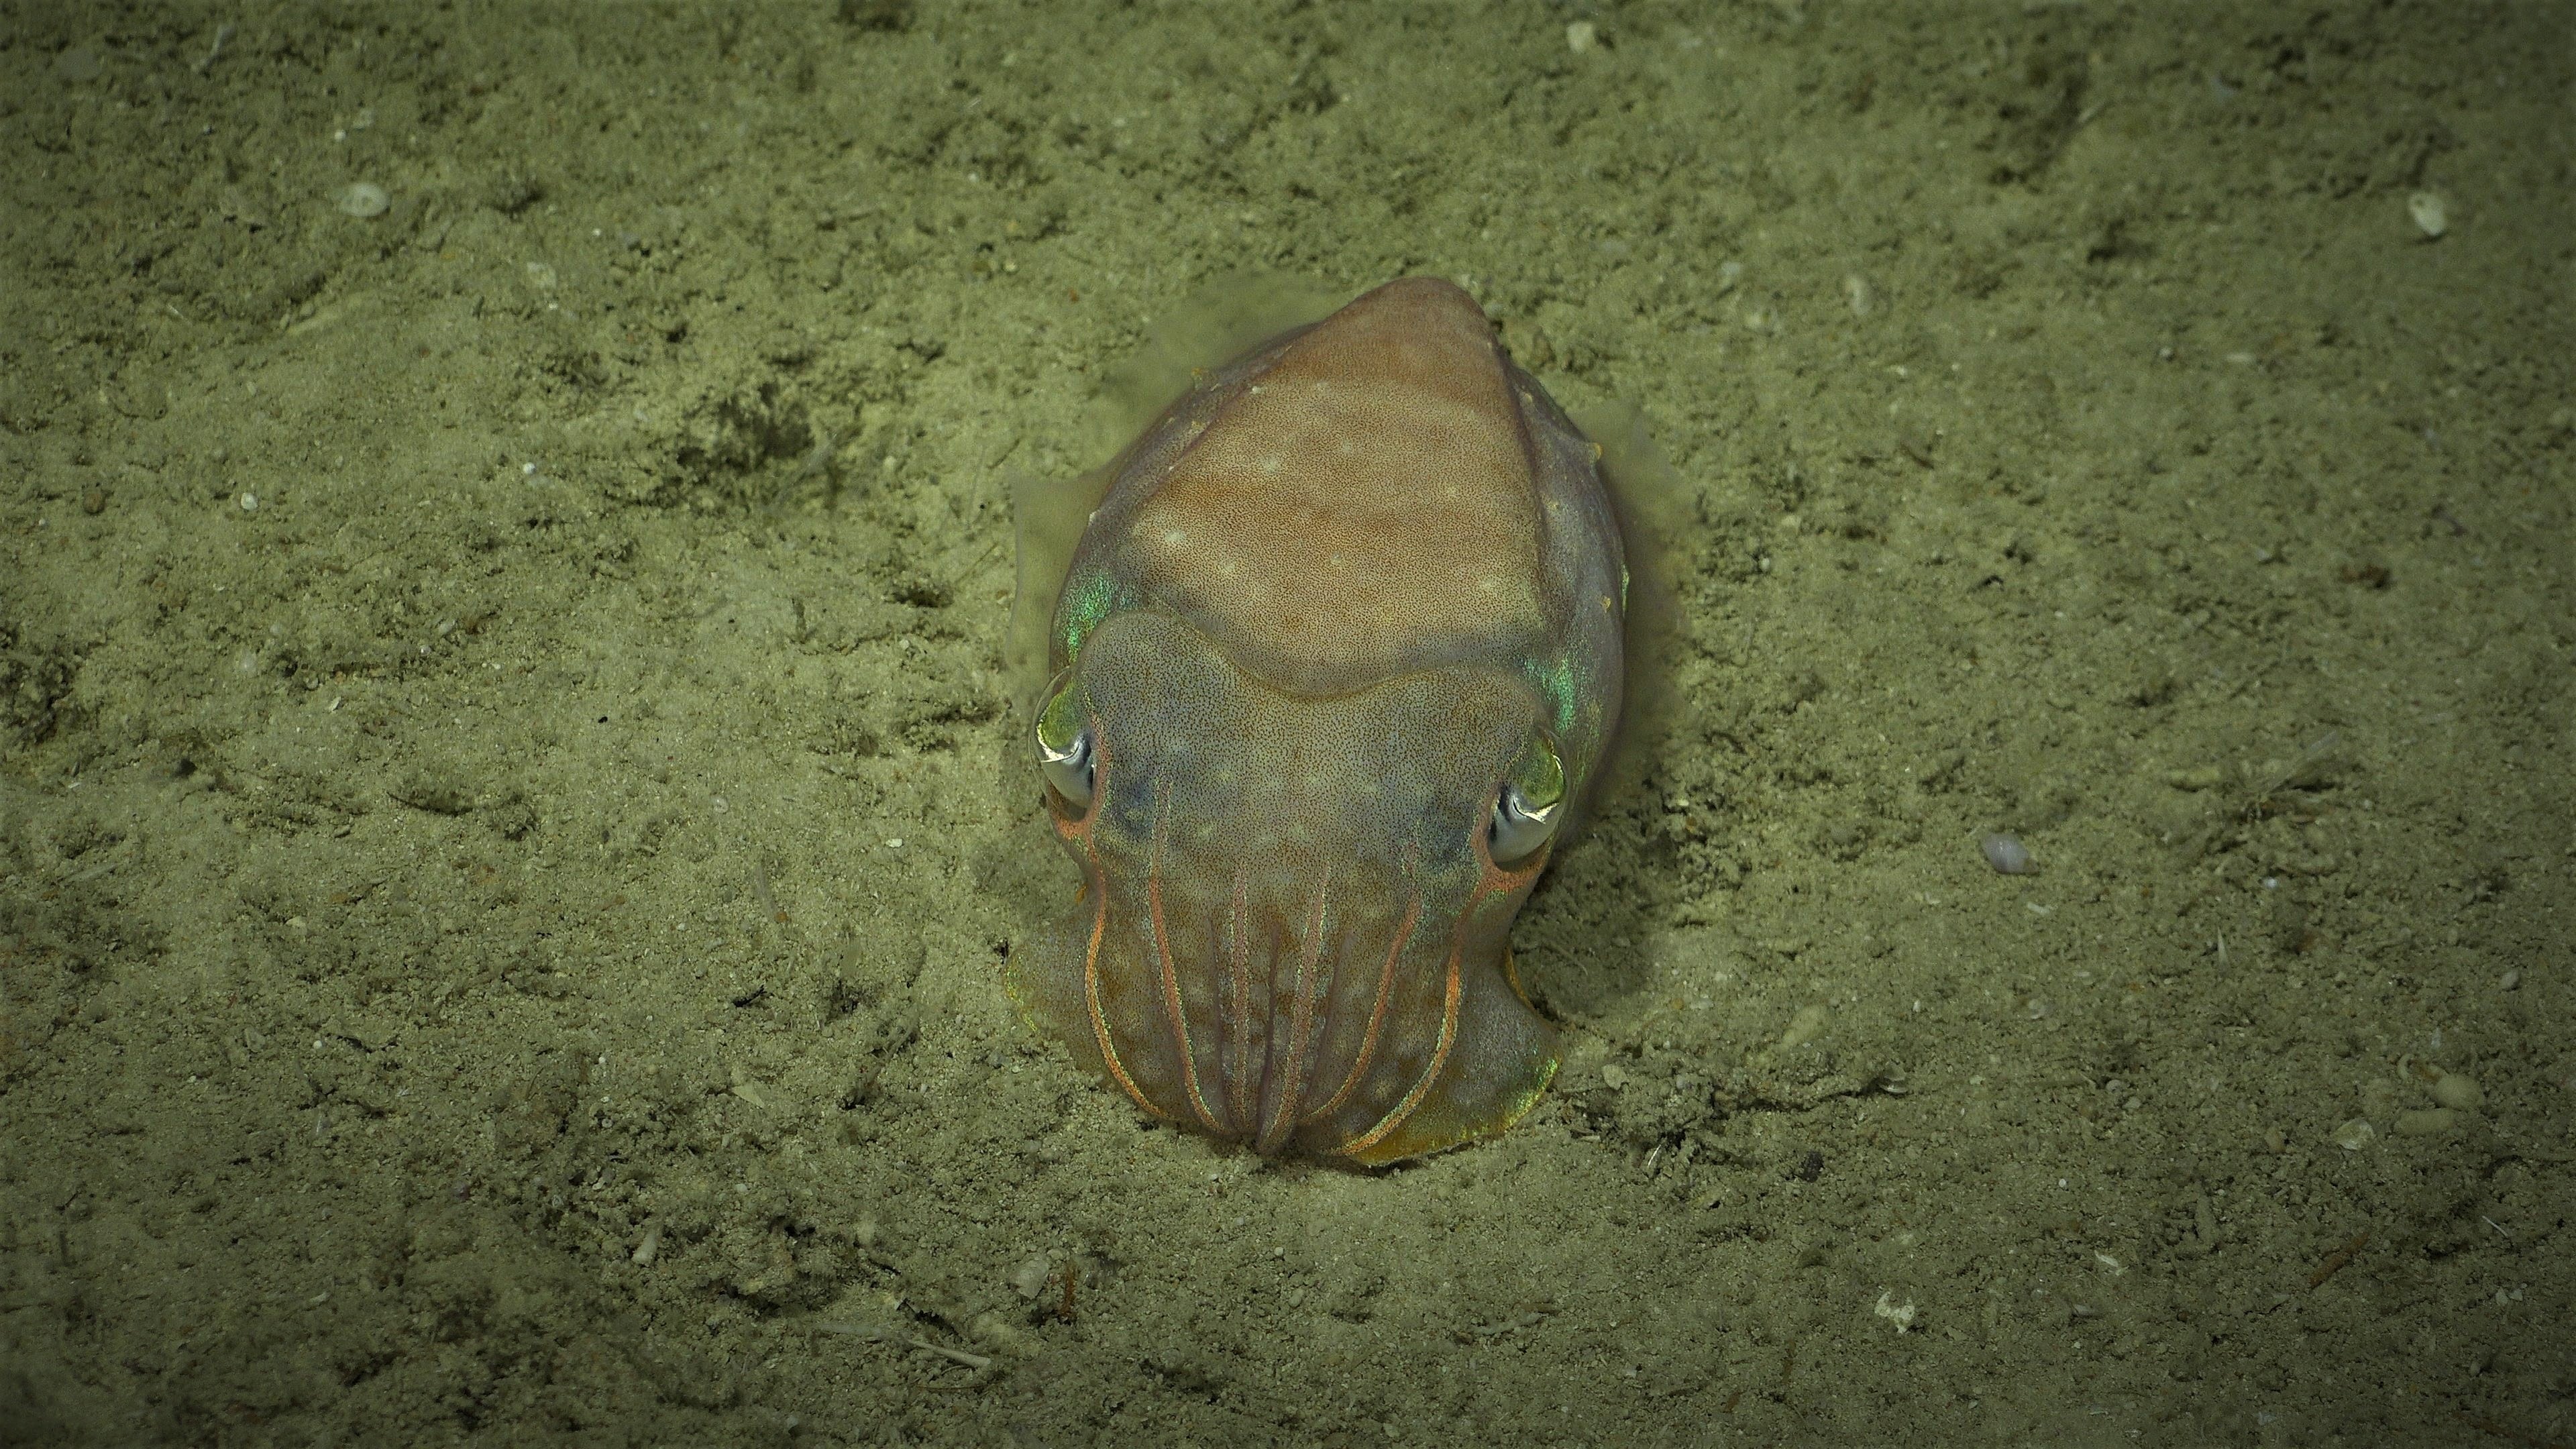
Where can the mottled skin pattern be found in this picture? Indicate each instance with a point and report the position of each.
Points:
(1332, 600)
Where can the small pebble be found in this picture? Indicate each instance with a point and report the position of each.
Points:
(249, 503)
(2457, 1092)
(1900, 1314)
(2511, 979)
(361, 199)
(2276, 1142)
(1030, 1278)
(2354, 1135)
(2428, 1122)
(2007, 855)
(95, 501)
(1581, 36)
(1805, 1027)
(2432, 214)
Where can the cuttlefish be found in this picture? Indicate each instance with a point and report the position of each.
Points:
(1336, 659)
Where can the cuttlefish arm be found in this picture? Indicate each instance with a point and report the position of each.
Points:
(1336, 657)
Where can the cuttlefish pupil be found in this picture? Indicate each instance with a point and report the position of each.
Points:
(1335, 662)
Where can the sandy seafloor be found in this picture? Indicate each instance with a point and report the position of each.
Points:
(511, 819)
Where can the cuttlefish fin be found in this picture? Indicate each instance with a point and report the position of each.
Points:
(1226, 317)
(1047, 517)
(1654, 508)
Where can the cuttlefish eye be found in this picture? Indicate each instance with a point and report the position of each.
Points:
(1064, 746)
(1530, 805)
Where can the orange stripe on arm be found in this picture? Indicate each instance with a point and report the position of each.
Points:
(1301, 1023)
(1171, 978)
(1100, 1022)
(1377, 1013)
(1238, 1018)
(1430, 1074)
